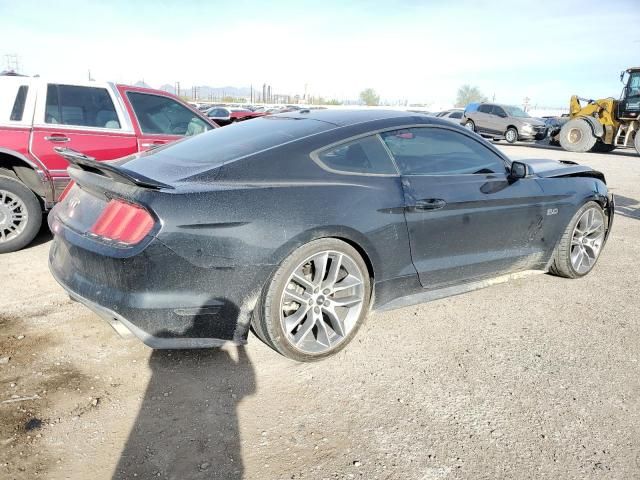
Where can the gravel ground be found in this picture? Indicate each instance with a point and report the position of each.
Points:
(538, 378)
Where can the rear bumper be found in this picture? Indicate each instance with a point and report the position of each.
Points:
(159, 296)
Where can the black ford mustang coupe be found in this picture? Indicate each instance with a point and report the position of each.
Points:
(297, 225)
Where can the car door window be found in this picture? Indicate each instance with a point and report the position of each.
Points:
(80, 106)
(440, 151)
(364, 156)
(499, 111)
(456, 115)
(484, 109)
(218, 113)
(164, 116)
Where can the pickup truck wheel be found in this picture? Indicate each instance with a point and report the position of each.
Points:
(576, 136)
(20, 215)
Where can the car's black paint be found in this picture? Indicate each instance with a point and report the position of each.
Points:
(224, 227)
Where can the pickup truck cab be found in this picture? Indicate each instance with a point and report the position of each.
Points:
(102, 120)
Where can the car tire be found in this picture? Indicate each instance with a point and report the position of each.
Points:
(511, 135)
(20, 215)
(636, 142)
(469, 125)
(576, 136)
(298, 286)
(572, 244)
(601, 147)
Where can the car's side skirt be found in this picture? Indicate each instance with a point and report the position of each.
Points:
(429, 295)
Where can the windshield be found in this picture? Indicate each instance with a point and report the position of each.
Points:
(516, 112)
(634, 84)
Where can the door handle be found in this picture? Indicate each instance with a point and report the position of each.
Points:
(58, 138)
(429, 204)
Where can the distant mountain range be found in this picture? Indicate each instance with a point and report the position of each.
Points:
(205, 92)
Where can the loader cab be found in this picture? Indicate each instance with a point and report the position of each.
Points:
(629, 105)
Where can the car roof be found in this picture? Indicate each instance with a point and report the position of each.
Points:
(346, 117)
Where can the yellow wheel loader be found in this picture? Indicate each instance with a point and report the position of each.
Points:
(602, 125)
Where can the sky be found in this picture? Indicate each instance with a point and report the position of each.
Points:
(419, 51)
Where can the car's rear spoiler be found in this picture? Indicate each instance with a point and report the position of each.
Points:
(117, 174)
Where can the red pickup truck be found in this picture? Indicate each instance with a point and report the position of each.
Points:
(102, 120)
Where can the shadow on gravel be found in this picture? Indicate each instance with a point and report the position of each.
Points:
(542, 144)
(187, 427)
(43, 236)
(628, 207)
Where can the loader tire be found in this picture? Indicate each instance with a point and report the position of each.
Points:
(576, 136)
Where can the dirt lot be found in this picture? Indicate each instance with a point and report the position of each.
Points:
(539, 378)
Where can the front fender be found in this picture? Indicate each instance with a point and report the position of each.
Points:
(596, 127)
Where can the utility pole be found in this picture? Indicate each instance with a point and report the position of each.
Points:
(12, 62)
(176, 87)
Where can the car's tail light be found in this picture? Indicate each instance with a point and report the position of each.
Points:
(66, 190)
(123, 222)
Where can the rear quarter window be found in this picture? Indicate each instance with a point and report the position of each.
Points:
(17, 112)
(363, 156)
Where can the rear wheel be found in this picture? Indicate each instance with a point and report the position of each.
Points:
(576, 136)
(20, 215)
(511, 135)
(581, 243)
(315, 302)
(636, 142)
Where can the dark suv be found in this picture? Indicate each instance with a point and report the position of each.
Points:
(503, 121)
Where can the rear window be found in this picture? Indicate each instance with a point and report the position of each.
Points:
(221, 145)
(18, 106)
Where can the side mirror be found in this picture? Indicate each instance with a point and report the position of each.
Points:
(518, 170)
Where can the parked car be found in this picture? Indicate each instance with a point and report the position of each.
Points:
(225, 115)
(554, 124)
(104, 120)
(299, 224)
(454, 115)
(502, 121)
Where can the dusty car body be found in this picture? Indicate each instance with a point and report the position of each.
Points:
(179, 245)
(503, 121)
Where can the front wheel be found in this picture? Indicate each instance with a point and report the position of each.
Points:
(636, 142)
(469, 125)
(581, 243)
(20, 215)
(315, 302)
(576, 136)
(511, 135)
